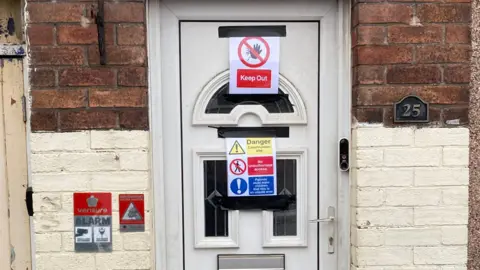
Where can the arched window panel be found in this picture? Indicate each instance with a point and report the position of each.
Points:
(214, 108)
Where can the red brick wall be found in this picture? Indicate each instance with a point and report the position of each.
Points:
(398, 48)
(411, 47)
(70, 90)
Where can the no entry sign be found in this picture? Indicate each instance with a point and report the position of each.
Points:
(254, 65)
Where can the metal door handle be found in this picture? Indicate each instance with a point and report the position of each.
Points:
(331, 216)
(322, 220)
(331, 230)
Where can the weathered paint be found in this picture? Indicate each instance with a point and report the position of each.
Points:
(11, 22)
(11, 50)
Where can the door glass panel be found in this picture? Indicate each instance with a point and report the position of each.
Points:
(215, 183)
(219, 104)
(285, 222)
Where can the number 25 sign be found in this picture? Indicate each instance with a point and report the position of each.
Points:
(411, 109)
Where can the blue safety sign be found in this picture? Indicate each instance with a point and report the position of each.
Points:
(261, 185)
(238, 186)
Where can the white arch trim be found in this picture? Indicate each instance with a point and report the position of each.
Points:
(298, 117)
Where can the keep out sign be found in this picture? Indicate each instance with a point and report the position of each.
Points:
(254, 65)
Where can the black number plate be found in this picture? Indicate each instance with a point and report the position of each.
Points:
(411, 109)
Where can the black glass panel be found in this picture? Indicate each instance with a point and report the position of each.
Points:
(215, 183)
(219, 104)
(285, 222)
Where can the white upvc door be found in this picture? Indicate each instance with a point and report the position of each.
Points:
(194, 83)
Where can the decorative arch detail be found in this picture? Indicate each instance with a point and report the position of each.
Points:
(200, 117)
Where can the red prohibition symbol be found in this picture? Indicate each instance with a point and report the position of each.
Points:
(238, 166)
(253, 53)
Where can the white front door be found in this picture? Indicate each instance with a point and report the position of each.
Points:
(307, 159)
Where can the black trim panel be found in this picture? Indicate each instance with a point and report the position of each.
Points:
(252, 31)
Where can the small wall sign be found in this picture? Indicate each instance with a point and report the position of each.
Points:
(132, 212)
(411, 109)
(92, 222)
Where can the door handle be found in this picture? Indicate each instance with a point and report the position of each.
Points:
(330, 218)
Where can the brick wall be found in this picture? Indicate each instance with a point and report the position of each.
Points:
(70, 90)
(411, 47)
(63, 163)
(409, 198)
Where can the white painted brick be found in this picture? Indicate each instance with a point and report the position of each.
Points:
(441, 176)
(384, 177)
(441, 136)
(413, 196)
(48, 242)
(137, 241)
(367, 137)
(457, 156)
(369, 237)
(120, 181)
(75, 162)
(413, 237)
(119, 139)
(440, 255)
(369, 158)
(65, 261)
(441, 215)
(454, 267)
(60, 182)
(457, 235)
(53, 222)
(67, 202)
(134, 161)
(46, 163)
(413, 157)
(370, 197)
(71, 141)
(455, 195)
(46, 202)
(123, 260)
(416, 267)
(384, 256)
(370, 217)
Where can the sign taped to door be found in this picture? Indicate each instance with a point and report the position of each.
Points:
(251, 167)
(92, 222)
(254, 65)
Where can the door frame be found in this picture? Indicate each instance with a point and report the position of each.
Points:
(163, 61)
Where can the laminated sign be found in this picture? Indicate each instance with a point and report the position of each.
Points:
(251, 167)
(93, 222)
(254, 65)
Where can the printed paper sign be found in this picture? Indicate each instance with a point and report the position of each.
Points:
(92, 222)
(254, 65)
(251, 167)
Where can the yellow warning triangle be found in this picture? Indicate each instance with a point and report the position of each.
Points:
(237, 149)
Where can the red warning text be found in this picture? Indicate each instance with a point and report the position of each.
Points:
(254, 78)
(260, 165)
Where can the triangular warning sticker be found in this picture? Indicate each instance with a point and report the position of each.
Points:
(237, 149)
(132, 213)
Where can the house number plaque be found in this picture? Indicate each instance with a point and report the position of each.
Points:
(411, 109)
